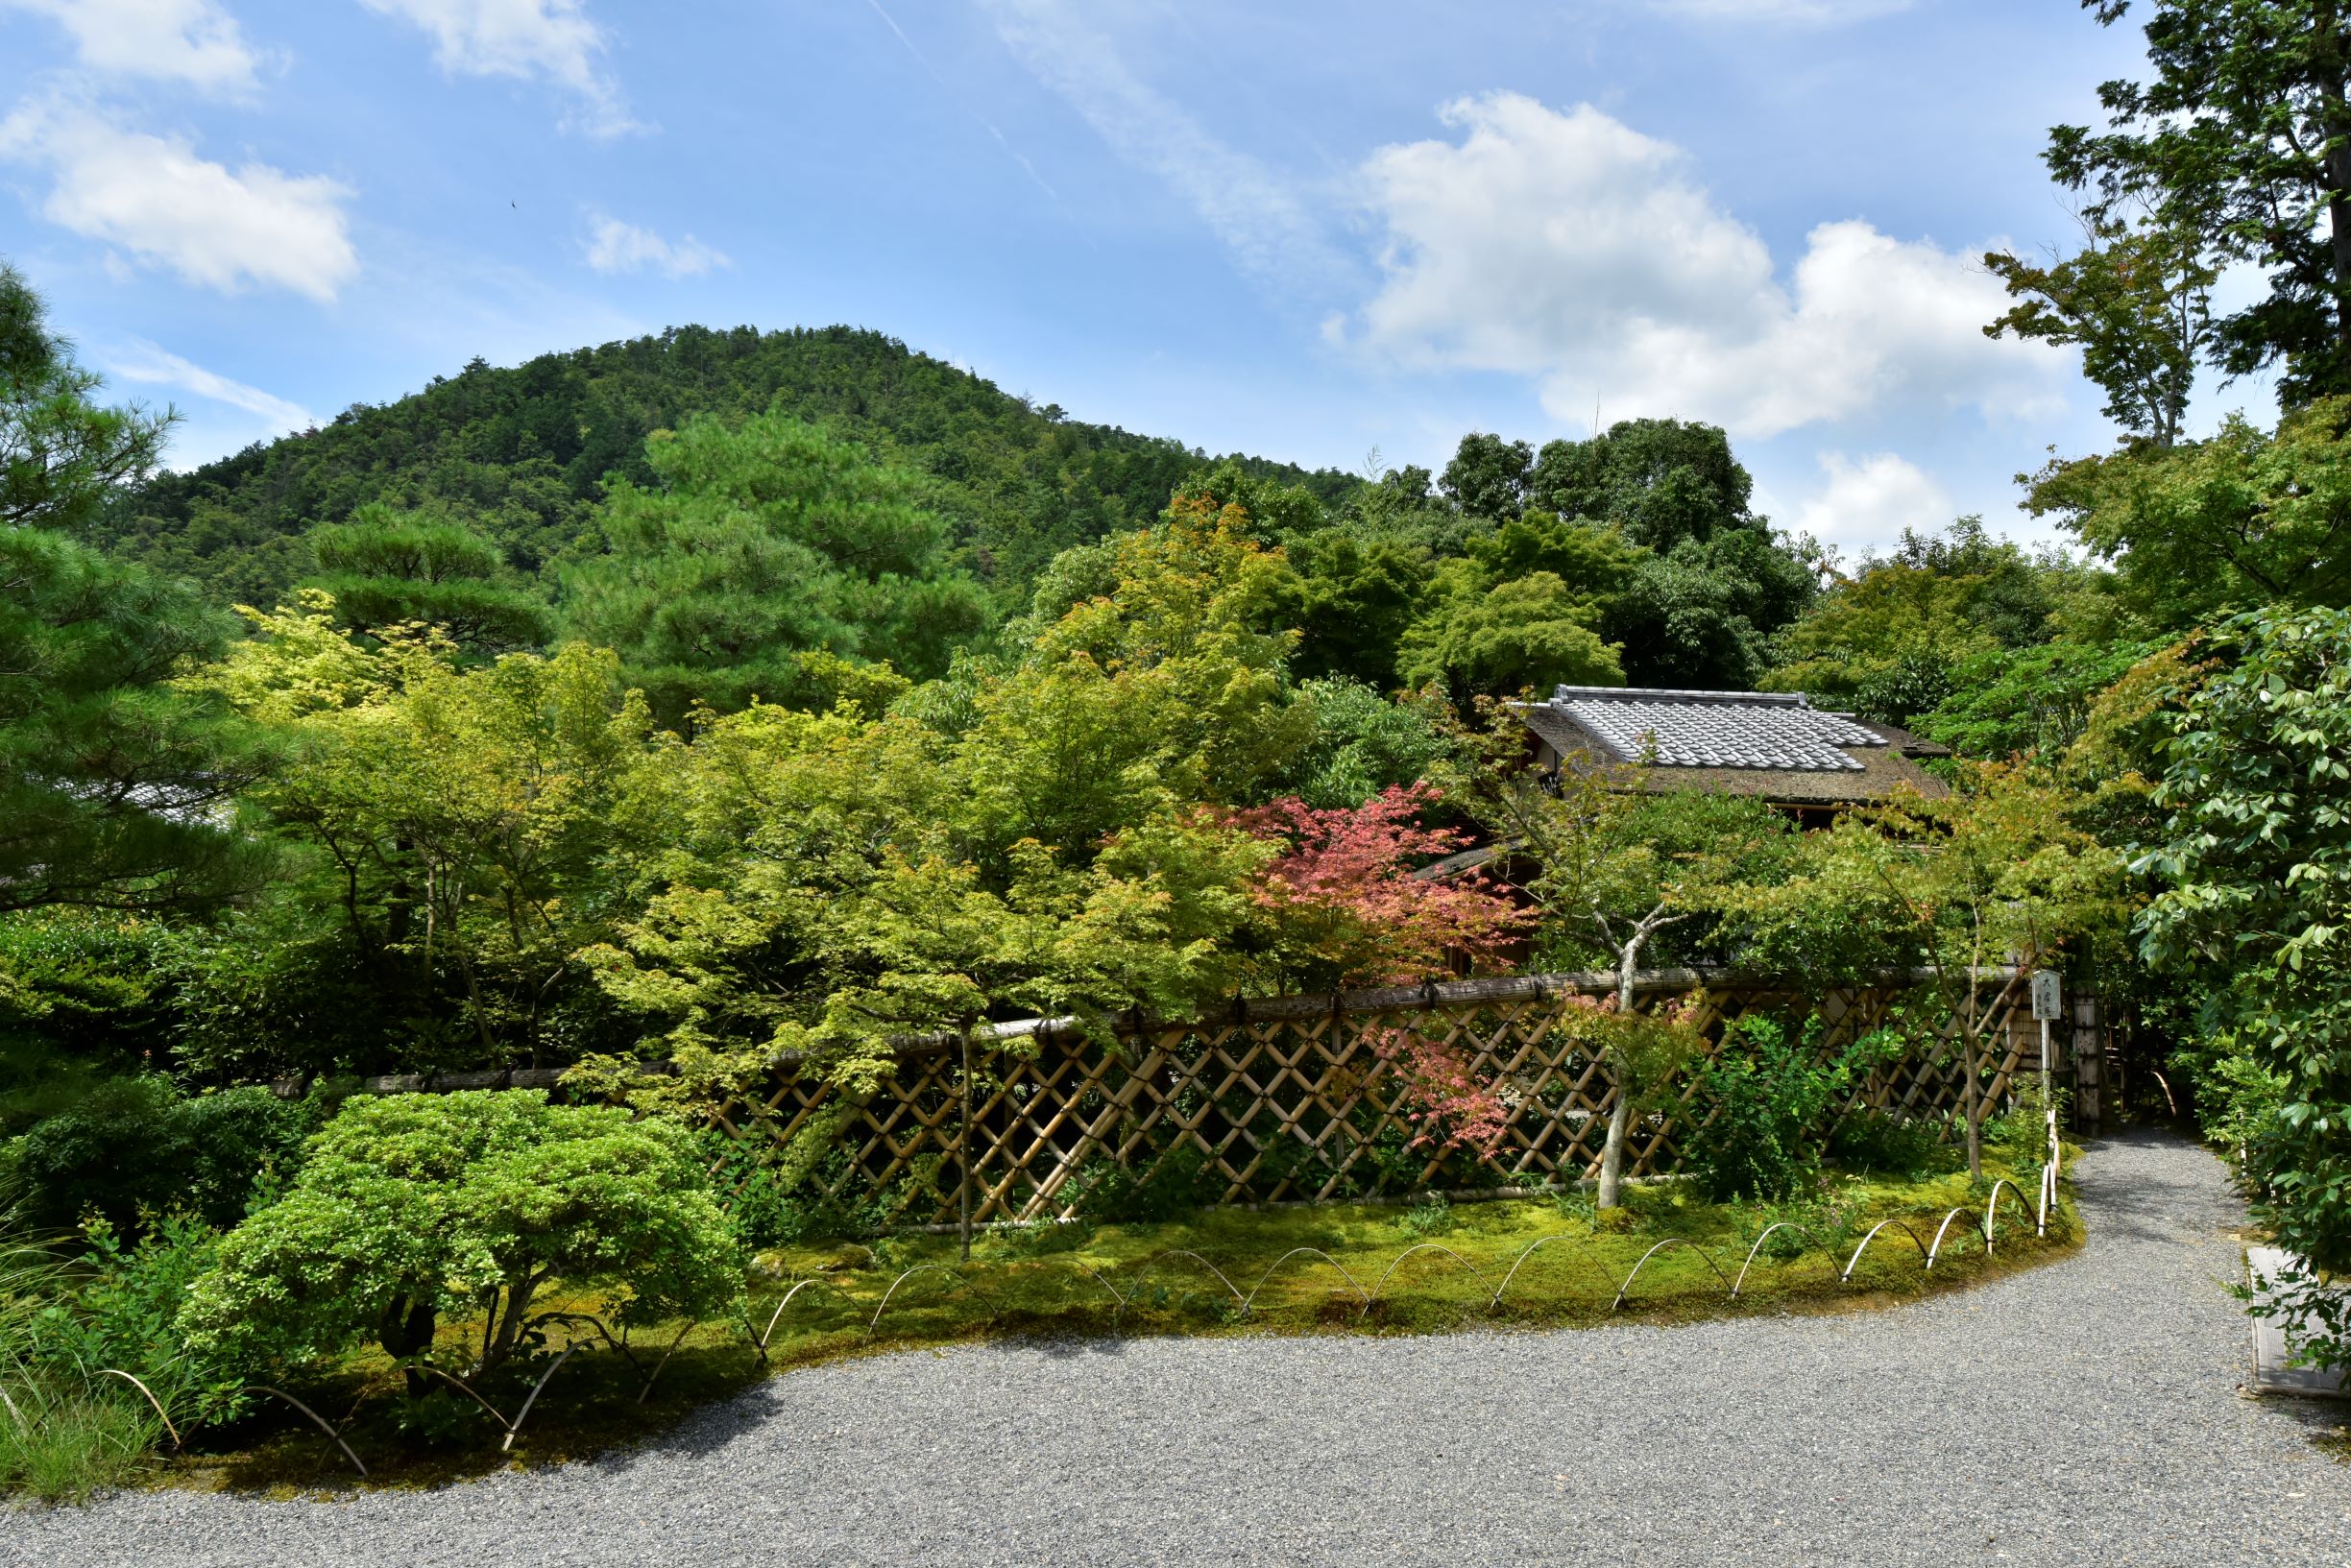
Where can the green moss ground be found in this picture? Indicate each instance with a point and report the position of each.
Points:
(1057, 1281)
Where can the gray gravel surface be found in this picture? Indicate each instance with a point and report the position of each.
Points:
(2084, 1413)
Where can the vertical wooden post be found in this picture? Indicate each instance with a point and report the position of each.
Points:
(2089, 1052)
(963, 1171)
(2020, 1037)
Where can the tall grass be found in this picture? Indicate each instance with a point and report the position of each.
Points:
(62, 1434)
(73, 1442)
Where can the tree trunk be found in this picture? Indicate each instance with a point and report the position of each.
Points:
(963, 1167)
(473, 999)
(406, 1332)
(1620, 1112)
(509, 1324)
(1971, 1053)
(1611, 1153)
(2331, 67)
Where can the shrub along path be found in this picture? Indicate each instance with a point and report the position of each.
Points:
(2086, 1412)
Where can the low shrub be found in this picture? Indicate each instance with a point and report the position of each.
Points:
(408, 1203)
(1116, 1194)
(2020, 1133)
(118, 1306)
(1768, 1096)
(1432, 1215)
(767, 1207)
(440, 1417)
(1832, 1221)
(1040, 1238)
(1575, 1203)
(65, 1428)
(2236, 1097)
(138, 1146)
(1872, 1141)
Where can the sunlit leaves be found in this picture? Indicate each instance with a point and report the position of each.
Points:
(2255, 868)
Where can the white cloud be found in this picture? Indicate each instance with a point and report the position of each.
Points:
(139, 360)
(1573, 250)
(178, 41)
(1248, 207)
(155, 197)
(552, 41)
(1869, 501)
(616, 246)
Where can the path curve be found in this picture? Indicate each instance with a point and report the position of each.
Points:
(1902, 1436)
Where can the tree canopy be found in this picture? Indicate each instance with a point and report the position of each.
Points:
(2241, 141)
(761, 542)
(386, 569)
(110, 781)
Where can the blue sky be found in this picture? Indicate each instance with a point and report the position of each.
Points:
(1303, 228)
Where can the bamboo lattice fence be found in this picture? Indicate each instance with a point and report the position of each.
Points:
(1300, 1098)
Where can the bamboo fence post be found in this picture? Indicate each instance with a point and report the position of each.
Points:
(963, 1151)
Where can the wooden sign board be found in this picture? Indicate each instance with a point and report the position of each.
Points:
(2048, 995)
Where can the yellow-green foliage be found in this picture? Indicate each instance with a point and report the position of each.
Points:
(411, 1205)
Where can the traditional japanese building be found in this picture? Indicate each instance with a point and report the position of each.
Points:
(1772, 745)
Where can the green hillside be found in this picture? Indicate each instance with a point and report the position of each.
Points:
(521, 454)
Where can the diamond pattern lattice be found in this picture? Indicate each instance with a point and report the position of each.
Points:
(1302, 1105)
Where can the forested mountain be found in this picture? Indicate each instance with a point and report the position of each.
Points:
(520, 456)
(736, 513)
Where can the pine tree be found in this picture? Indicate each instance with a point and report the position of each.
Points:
(110, 781)
(766, 542)
(386, 566)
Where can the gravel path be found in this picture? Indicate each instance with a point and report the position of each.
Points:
(1914, 1436)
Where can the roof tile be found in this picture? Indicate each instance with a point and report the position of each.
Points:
(1716, 728)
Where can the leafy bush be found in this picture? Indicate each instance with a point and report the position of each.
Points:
(1881, 1143)
(2238, 1098)
(769, 1205)
(2313, 1310)
(138, 1146)
(64, 1430)
(121, 1308)
(1115, 1194)
(1768, 1096)
(2251, 865)
(416, 1205)
(2020, 1133)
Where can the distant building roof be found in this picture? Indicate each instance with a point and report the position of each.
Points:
(1714, 729)
(1769, 743)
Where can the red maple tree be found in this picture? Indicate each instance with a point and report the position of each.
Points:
(1349, 909)
(1436, 1092)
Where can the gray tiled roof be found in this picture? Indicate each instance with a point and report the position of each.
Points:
(1715, 728)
